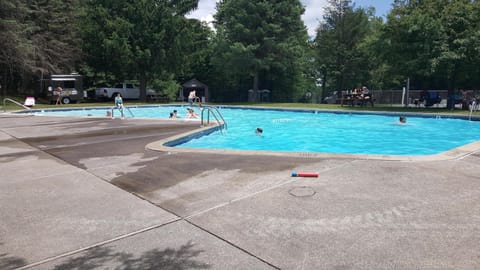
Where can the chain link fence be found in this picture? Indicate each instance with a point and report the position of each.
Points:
(412, 98)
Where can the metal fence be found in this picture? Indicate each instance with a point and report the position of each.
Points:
(395, 97)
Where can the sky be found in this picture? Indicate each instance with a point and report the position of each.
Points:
(313, 10)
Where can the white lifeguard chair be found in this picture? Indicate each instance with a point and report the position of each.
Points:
(29, 101)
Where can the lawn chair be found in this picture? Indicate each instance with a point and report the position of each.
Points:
(29, 102)
(432, 99)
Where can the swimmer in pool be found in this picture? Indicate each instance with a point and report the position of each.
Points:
(259, 131)
(191, 114)
(173, 114)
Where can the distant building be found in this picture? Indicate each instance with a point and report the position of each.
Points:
(200, 88)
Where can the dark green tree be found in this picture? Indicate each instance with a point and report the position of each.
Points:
(136, 39)
(54, 35)
(189, 57)
(54, 39)
(434, 42)
(374, 49)
(39, 37)
(457, 51)
(263, 42)
(15, 47)
(193, 51)
(342, 62)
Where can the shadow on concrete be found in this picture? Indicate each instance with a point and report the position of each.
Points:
(169, 258)
(8, 262)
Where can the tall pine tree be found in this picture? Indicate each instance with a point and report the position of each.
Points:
(264, 40)
(14, 44)
(337, 44)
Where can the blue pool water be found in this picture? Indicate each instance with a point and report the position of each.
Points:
(329, 132)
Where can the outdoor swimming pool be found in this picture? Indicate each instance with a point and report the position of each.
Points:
(318, 131)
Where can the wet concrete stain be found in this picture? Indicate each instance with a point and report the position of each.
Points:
(169, 170)
(162, 172)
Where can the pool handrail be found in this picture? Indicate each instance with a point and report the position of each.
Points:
(128, 109)
(13, 101)
(211, 109)
(473, 107)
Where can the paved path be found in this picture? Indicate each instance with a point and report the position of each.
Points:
(85, 193)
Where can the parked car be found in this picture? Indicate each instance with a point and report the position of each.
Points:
(126, 90)
(332, 98)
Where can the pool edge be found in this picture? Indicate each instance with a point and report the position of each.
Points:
(456, 153)
(162, 146)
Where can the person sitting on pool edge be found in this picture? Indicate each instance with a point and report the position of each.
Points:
(119, 104)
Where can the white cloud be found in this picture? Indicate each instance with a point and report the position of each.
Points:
(313, 14)
(205, 11)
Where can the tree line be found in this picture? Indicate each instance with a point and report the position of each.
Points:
(254, 45)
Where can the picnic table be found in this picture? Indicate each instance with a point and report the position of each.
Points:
(360, 99)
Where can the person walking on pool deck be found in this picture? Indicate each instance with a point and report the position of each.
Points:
(192, 96)
(119, 104)
(59, 91)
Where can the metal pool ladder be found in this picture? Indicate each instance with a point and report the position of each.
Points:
(125, 107)
(216, 114)
(13, 101)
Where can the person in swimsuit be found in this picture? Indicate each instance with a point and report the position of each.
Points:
(119, 104)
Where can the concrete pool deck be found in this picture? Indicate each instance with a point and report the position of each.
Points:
(86, 193)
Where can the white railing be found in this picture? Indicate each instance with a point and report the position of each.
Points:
(473, 108)
(13, 101)
(121, 111)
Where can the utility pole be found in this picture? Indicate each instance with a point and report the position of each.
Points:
(408, 91)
